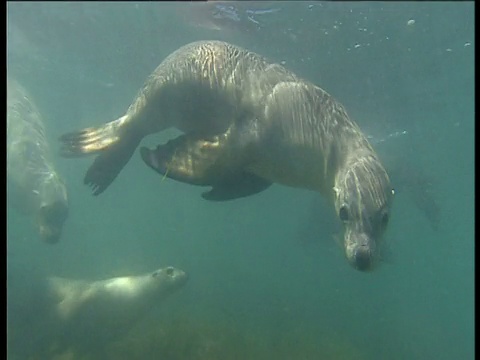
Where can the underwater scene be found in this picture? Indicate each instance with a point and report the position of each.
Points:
(216, 180)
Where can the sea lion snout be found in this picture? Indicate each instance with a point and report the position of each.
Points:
(50, 221)
(49, 235)
(362, 258)
(175, 276)
(360, 251)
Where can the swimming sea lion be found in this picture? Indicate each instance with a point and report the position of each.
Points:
(247, 123)
(34, 186)
(83, 314)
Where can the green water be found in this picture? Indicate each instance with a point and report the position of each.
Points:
(267, 278)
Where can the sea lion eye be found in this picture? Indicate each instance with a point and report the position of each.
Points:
(343, 213)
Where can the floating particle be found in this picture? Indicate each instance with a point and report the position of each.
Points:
(356, 46)
(467, 44)
(410, 22)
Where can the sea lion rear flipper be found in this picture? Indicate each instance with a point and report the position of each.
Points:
(108, 165)
(205, 162)
(114, 146)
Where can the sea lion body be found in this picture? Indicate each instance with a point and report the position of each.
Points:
(247, 123)
(112, 303)
(83, 314)
(34, 186)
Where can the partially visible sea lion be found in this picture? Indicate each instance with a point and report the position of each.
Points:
(34, 186)
(415, 180)
(247, 123)
(84, 314)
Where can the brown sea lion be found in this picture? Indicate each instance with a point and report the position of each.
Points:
(247, 123)
(33, 184)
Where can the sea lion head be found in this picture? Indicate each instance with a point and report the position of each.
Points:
(363, 198)
(171, 276)
(53, 208)
(50, 220)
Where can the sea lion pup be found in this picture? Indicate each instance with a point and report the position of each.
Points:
(34, 186)
(247, 123)
(81, 314)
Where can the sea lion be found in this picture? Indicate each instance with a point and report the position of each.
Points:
(247, 123)
(34, 186)
(409, 178)
(82, 314)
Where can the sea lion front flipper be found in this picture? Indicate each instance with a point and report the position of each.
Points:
(236, 186)
(206, 162)
(187, 159)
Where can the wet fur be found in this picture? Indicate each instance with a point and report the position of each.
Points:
(34, 186)
(247, 123)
